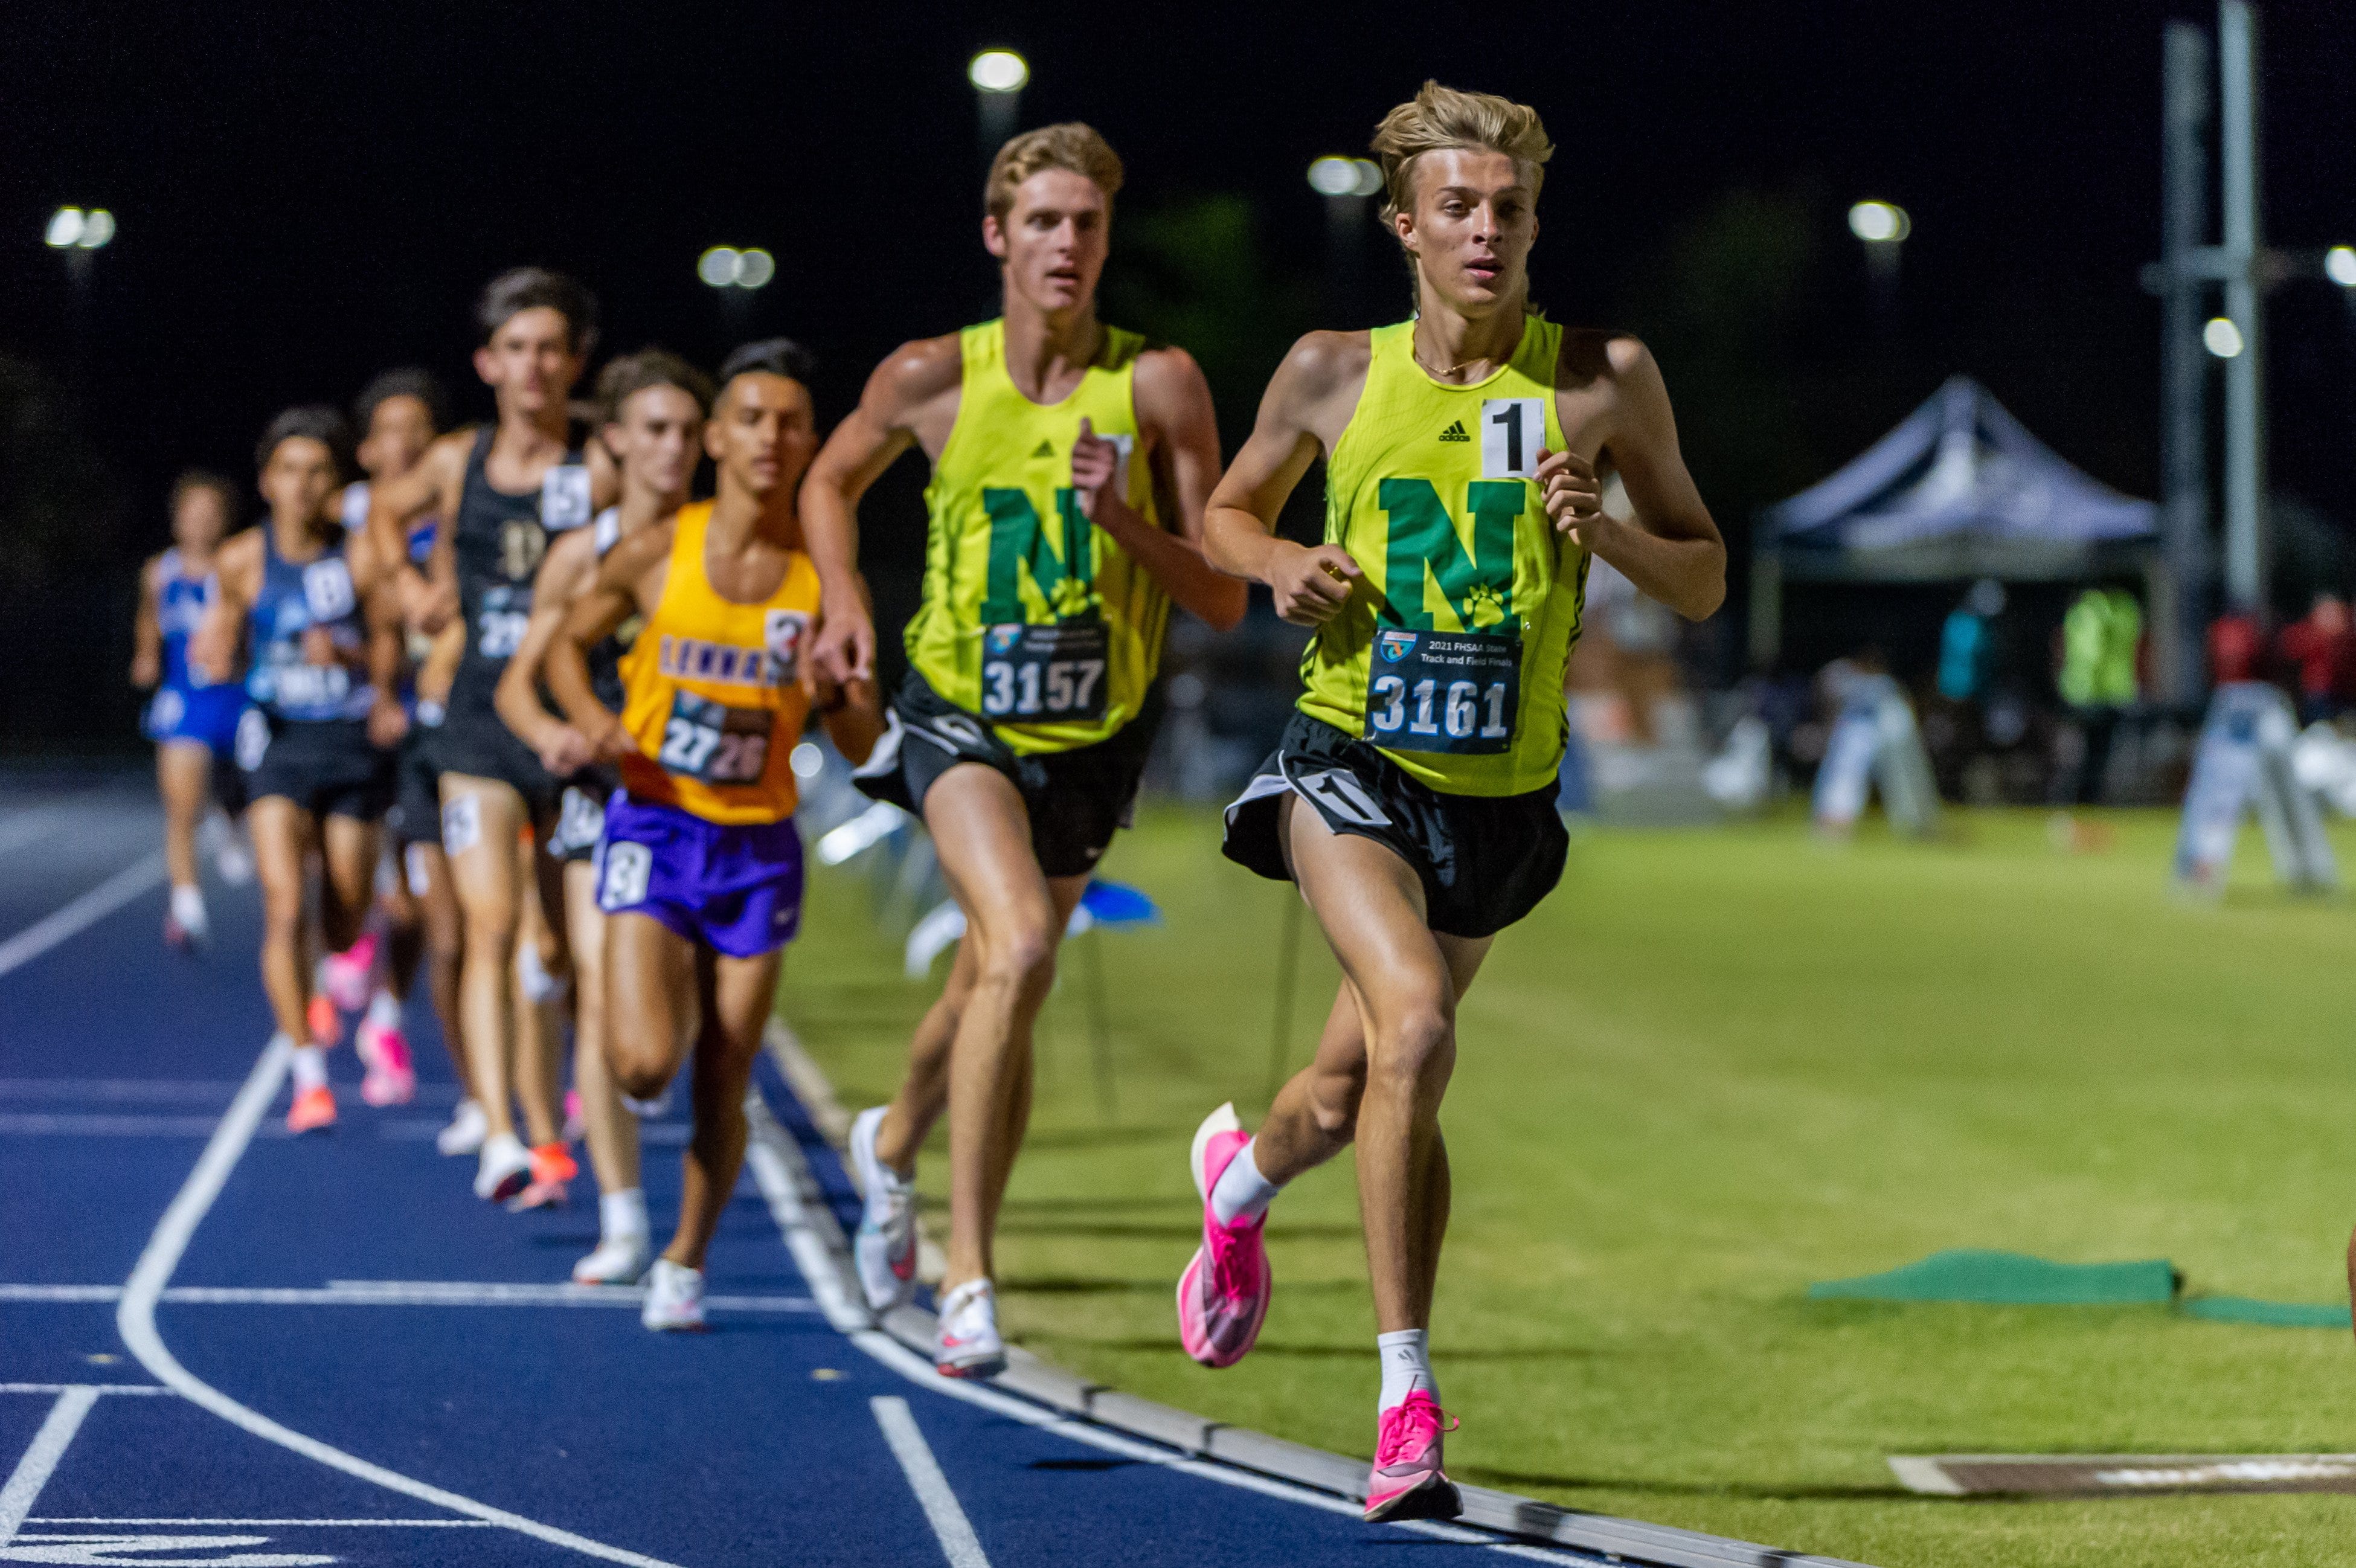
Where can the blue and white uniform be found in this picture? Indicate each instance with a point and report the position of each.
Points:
(306, 737)
(187, 709)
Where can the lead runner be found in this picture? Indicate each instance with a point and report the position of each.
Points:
(1412, 798)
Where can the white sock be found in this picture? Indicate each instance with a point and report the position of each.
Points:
(310, 1068)
(384, 1010)
(1241, 1192)
(621, 1214)
(188, 907)
(1406, 1366)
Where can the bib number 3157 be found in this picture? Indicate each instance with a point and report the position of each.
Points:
(1437, 690)
(1045, 672)
(714, 744)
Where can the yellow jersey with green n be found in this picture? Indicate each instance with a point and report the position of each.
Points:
(1032, 617)
(1450, 657)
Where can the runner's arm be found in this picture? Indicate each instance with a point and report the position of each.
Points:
(569, 566)
(380, 609)
(147, 630)
(1310, 584)
(430, 597)
(1672, 552)
(603, 605)
(1173, 405)
(212, 649)
(854, 715)
(865, 444)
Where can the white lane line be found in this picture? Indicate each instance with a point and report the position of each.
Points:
(951, 1526)
(149, 1092)
(281, 1524)
(93, 1388)
(40, 1460)
(81, 914)
(134, 1318)
(403, 1292)
(21, 828)
(805, 1225)
(70, 1124)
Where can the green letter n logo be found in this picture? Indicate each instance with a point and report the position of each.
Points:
(1479, 589)
(1016, 539)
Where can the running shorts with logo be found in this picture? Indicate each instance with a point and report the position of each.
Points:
(327, 767)
(1432, 717)
(700, 837)
(581, 813)
(416, 814)
(1076, 799)
(306, 737)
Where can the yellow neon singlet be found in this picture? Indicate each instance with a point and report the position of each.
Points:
(1033, 618)
(1451, 656)
(715, 694)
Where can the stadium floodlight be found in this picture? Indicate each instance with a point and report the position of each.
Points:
(2222, 337)
(753, 268)
(1879, 222)
(717, 266)
(97, 228)
(65, 227)
(1338, 177)
(998, 70)
(2340, 265)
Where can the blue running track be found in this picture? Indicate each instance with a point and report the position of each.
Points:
(220, 1345)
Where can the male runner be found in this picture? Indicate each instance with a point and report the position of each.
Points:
(192, 720)
(324, 663)
(1070, 468)
(1412, 796)
(700, 871)
(506, 489)
(653, 407)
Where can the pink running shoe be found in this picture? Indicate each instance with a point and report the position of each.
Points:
(391, 1078)
(1223, 1295)
(346, 973)
(327, 1027)
(1406, 1481)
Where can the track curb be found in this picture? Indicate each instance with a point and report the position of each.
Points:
(1200, 1437)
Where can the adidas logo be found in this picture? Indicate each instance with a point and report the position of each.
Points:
(1455, 432)
(1047, 449)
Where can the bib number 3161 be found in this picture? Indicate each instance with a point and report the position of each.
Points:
(1436, 691)
(714, 744)
(1045, 672)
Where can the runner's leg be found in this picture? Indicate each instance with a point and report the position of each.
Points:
(351, 849)
(437, 906)
(539, 1075)
(282, 843)
(612, 1132)
(183, 777)
(482, 863)
(737, 994)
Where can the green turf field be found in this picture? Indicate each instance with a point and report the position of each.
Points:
(1715, 1067)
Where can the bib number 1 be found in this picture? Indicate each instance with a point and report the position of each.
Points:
(712, 743)
(1446, 692)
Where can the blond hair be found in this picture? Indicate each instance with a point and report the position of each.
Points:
(1440, 117)
(1070, 146)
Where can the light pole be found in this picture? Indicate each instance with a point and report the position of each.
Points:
(80, 235)
(735, 276)
(1346, 184)
(1883, 226)
(998, 77)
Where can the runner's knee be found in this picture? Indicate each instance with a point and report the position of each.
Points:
(1416, 1052)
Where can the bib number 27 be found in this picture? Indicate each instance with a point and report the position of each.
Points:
(714, 744)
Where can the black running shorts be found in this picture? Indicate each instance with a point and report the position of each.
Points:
(416, 814)
(1486, 860)
(1075, 800)
(581, 814)
(327, 767)
(477, 742)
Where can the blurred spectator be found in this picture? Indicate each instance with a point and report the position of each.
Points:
(2322, 649)
(2101, 637)
(2236, 648)
(1967, 643)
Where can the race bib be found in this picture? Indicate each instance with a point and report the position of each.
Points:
(1443, 691)
(1044, 672)
(327, 590)
(714, 744)
(499, 624)
(564, 497)
(311, 687)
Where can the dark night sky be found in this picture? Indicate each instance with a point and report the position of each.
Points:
(309, 194)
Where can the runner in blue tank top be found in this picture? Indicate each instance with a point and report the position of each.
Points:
(192, 720)
(316, 609)
(506, 489)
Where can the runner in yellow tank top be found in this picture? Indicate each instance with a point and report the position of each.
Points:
(1070, 468)
(699, 869)
(1412, 797)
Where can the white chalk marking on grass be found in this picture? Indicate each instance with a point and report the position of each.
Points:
(285, 1523)
(82, 913)
(40, 1460)
(807, 1228)
(134, 1318)
(950, 1527)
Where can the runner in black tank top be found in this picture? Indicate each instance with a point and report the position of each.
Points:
(653, 405)
(504, 493)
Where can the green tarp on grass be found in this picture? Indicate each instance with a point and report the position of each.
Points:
(2271, 1314)
(2010, 1278)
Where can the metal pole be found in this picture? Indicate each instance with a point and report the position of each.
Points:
(2178, 618)
(2246, 433)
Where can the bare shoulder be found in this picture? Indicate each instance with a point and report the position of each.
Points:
(1168, 383)
(569, 567)
(449, 453)
(913, 375)
(1322, 363)
(151, 572)
(240, 556)
(636, 555)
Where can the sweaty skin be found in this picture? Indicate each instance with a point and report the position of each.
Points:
(1390, 1044)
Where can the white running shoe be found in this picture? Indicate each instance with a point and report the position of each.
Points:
(674, 1297)
(618, 1260)
(884, 1249)
(504, 1170)
(225, 842)
(969, 1346)
(467, 1129)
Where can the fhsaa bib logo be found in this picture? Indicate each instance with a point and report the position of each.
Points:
(1394, 646)
(1002, 639)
